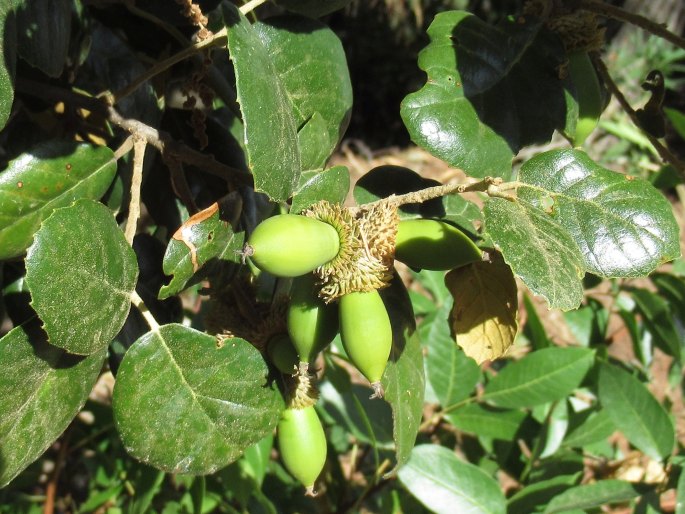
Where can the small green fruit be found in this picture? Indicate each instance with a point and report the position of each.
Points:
(290, 245)
(312, 324)
(433, 245)
(366, 333)
(588, 95)
(282, 353)
(302, 445)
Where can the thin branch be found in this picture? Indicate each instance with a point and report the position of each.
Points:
(124, 148)
(251, 6)
(140, 305)
(139, 146)
(664, 152)
(610, 11)
(170, 148)
(437, 191)
(215, 39)
(162, 141)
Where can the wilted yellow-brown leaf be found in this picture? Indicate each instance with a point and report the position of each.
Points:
(483, 318)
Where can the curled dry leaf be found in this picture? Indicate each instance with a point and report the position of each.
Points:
(483, 318)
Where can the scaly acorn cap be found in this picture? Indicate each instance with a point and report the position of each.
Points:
(367, 246)
(301, 391)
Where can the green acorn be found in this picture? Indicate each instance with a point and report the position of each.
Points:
(433, 245)
(312, 324)
(366, 334)
(302, 445)
(290, 245)
(282, 353)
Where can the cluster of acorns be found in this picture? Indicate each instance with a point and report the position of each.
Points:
(337, 255)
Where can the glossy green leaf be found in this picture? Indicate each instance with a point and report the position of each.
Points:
(51, 175)
(313, 8)
(539, 250)
(483, 421)
(635, 412)
(313, 139)
(42, 388)
(623, 226)
(311, 64)
(268, 118)
(535, 496)
(588, 428)
(451, 374)
(331, 185)
(8, 58)
(659, 321)
(44, 30)
(203, 239)
(81, 273)
(481, 102)
(540, 377)
(403, 381)
(386, 180)
(210, 402)
(588, 496)
(445, 484)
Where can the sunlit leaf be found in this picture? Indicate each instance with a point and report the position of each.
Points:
(445, 484)
(540, 377)
(635, 412)
(483, 421)
(81, 273)
(210, 402)
(483, 317)
(539, 250)
(42, 388)
(310, 62)
(331, 185)
(451, 373)
(49, 176)
(587, 496)
(202, 239)
(623, 226)
(481, 101)
(270, 141)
